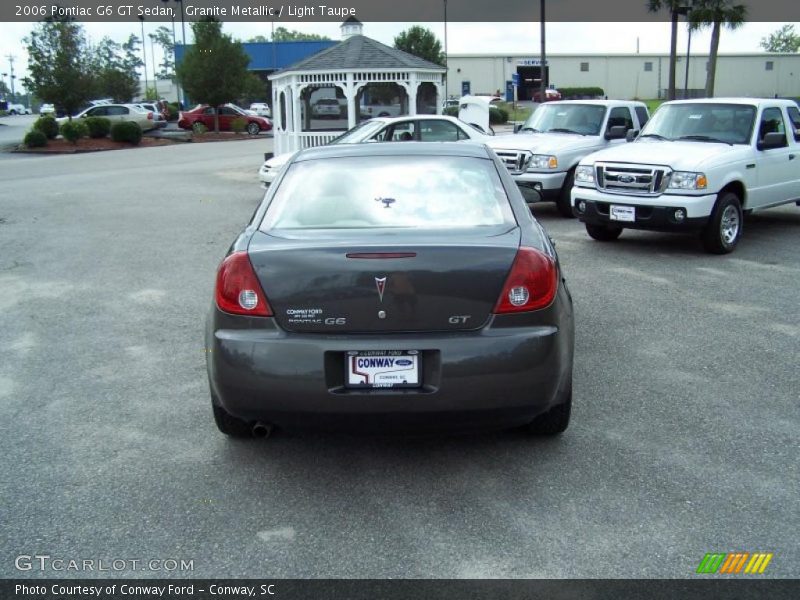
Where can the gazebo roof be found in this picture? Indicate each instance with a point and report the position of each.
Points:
(359, 52)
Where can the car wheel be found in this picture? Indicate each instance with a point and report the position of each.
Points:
(564, 201)
(253, 128)
(724, 228)
(12, 112)
(555, 420)
(603, 233)
(230, 425)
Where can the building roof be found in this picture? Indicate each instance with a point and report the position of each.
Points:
(361, 52)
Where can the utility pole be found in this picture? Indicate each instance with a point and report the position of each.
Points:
(10, 58)
(445, 51)
(542, 84)
(144, 56)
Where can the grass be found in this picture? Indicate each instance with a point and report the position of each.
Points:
(653, 104)
(520, 114)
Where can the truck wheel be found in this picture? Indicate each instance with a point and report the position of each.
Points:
(603, 233)
(564, 201)
(724, 227)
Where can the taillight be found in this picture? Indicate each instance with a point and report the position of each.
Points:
(150, 116)
(238, 290)
(531, 284)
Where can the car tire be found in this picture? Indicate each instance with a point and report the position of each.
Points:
(253, 128)
(230, 425)
(555, 420)
(724, 228)
(564, 201)
(12, 112)
(603, 233)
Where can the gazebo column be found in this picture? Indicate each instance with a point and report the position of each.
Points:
(350, 90)
(411, 91)
(439, 97)
(297, 125)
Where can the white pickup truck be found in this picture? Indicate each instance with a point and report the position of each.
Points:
(698, 165)
(544, 152)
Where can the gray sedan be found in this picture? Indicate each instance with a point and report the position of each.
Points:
(391, 286)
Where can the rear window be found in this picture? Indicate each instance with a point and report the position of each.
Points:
(389, 191)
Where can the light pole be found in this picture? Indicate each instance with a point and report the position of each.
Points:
(153, 55)
(542, 84)
(144, 56)
(174, 51)
(445, 50)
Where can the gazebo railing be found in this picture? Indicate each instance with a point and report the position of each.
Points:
(309, 139)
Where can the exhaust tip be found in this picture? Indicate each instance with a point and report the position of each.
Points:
(261, 430)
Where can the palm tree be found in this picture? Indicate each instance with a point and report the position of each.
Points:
(716, 14)
(676, 8)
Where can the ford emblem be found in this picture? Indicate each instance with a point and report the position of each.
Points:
(626, 178)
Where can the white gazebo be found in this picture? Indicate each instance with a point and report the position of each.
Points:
(318, 98)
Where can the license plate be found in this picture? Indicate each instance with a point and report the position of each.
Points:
(382, 369)
(623, 213)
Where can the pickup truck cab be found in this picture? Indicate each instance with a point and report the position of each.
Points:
(698, 165)
(543, 153)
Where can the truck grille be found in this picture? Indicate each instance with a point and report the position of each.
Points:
(516, 161)
(617, 178)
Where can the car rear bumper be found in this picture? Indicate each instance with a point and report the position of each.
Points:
(498, 376)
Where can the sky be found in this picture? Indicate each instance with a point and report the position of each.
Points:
(462, 38)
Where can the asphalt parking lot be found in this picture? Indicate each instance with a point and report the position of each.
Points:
(683, 440)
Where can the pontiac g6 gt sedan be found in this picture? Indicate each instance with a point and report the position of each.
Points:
(391, 287)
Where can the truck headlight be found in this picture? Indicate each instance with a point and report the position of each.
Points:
(584, 174)
(543, 161)
(687, 180)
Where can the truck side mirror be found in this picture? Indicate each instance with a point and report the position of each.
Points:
(268, 155)
(517, 127)
(631, 135)
(771, 140)
(617, 132)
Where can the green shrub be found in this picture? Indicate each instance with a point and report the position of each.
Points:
(497, 115)
(580, 92)
(72, 131)
(35, 139)
(99, 127)
(239, 124)
(450, 111)
(48, 126)
(199, 128)
(126, 131)
(173, 108)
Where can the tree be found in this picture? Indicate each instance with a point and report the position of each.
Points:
(282, 34)
(783, 40)
(115, 69)
(258, 39)
(253, 90)
(675, 9)
(60, 64)
(420, 42)
(214, 70)
(163, 37)
(716, 14)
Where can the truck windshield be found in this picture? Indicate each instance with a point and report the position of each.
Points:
(703, 122)
(585, 119)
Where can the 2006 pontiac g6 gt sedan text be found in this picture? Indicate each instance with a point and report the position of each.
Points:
(391, 287)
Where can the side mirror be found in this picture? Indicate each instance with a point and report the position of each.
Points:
(631, 135)
(268, 155)
(617, 132)
(517, 127)
(772, 140)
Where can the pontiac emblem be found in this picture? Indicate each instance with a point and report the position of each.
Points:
(380, 283)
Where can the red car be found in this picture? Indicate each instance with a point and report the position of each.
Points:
(550, 94)
(204, 114)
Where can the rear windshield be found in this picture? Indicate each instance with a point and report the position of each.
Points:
(389, 191)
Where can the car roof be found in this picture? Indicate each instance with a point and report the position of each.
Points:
(467, 149)
(599, 102)
(743, 101)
